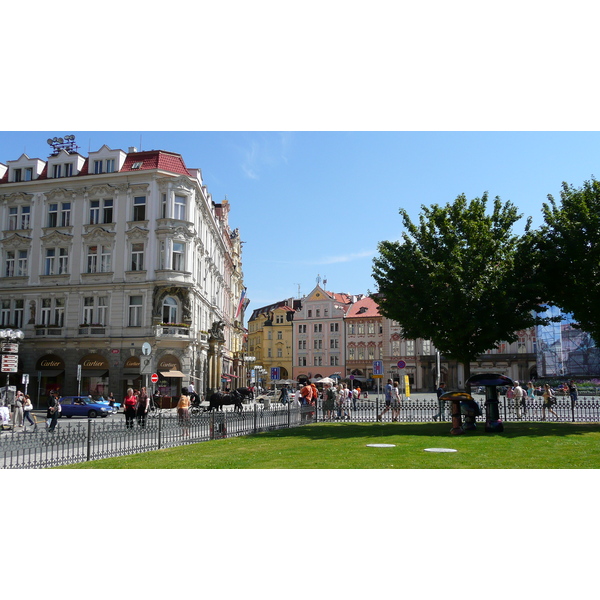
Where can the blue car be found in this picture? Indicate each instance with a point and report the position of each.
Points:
(82, 406)
(102, 400)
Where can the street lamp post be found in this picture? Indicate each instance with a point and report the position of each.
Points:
(10, 350)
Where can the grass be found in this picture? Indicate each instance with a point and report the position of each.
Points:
(344, 446)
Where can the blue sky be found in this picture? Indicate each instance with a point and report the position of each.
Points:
(312, 204)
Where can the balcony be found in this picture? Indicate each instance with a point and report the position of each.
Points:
(173, 330)
(48, 330)
(92, 330)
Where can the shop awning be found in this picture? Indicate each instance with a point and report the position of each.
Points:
(172, 374)
(93, 373)
(52, 373)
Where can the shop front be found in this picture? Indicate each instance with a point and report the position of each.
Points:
(51, 377)
(94, 376)
(170, 377)
(131, 375)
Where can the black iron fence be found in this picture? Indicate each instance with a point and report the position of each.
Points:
(93, 439)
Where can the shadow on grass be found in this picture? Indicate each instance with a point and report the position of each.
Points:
(322, 431)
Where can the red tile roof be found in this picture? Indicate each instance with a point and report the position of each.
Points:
(365, 308)
(156, 159)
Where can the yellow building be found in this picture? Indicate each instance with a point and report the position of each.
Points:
(270, 331)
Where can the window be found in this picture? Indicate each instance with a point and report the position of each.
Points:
(57, 261)
(17, 175)
(135, 311)
(318, 344)
(318, 328)
(52, 215)
(19, 217)
(9, 270)
(334, 327)
(110, 165)
(99, 259)
(18, 313)
(180, 208)
(170, 310)
(301, 344)
(65, 214)
(361, 353)
(137, 257)
(28, 174)
(101, 211)
(318, 361)
(279, 353)
(371, 352)
(280, 335)
(52, 312)
(351, 353)
(97, 167)
(301, 328)
(334, 344)
(361, 329)
(371, 328)
(318, 313)
(68, 169)
(22, 263)
(427, 349)
(334, 361)
(269, 353)
(56, 171)
(5, 313)
(178, 263)
(269, 335)
(139, 208)
(351, 328)
(309, 314)
(278, 319)
(302, 361)
(410, 347)
(395, 347)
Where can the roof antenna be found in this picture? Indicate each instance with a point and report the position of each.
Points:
(140, 142)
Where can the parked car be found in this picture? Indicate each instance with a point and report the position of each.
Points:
(270, 395)
(82, 406)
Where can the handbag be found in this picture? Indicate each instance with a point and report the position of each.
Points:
(28, 407)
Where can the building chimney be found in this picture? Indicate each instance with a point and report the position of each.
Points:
(132, 149)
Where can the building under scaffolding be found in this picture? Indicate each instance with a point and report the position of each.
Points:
(565, 351)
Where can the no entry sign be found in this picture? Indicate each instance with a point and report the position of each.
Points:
(154, 378)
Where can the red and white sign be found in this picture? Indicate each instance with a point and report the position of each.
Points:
(10, 363)
(154, 378)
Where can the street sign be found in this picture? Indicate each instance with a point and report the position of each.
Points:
(377, 368)
(401, 364)
(154, 378)
(146, 349)
(14, 348)
(10, 363)
(274, 373)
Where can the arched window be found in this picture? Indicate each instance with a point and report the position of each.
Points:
(170, 310)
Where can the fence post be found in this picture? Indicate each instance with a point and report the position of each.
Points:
(159, 430)
(89, 439)
(289, 415)
(255, 416)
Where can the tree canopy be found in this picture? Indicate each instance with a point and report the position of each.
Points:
(569, 246)
(460, 277)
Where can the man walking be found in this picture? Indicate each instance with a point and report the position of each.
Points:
(388, 391)
(518, 397)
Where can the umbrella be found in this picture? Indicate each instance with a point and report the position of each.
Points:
(326, 380)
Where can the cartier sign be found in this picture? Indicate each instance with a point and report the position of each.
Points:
(50, 362)
(94, 362)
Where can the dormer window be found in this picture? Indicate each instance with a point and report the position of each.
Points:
(97, 167)
(136, 165)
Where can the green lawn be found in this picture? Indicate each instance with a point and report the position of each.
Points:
(344, 446)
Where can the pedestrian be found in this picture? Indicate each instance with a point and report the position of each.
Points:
(441, 390)
(130, 404)
(396, 402)
(18, 414)
(283, 396)
(306, 393)
(27, 408)
(549, 400)
(518, 397)
(388, 398)
(111, 400)
(355, 397)
(183, 412)
(142, 407)
(53, 411)
(573, 392)
(346, 397)
(328, 402)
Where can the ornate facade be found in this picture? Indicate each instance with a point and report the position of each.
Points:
(100, 254)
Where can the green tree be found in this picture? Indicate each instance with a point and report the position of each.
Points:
(569, 246)
(460, 277)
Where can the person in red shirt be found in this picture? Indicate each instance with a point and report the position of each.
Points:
(306, 393)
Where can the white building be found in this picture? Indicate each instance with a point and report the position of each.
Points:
(100, 254)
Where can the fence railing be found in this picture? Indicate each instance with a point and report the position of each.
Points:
(93, 439)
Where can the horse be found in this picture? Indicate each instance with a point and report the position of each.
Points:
(245, 392)
(218, 399)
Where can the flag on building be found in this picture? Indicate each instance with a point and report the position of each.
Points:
(240, 304)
